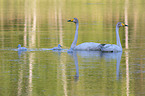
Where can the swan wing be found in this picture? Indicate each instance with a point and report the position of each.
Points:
(56, 48)
(111, 48)
(22, 49)
(88, 46)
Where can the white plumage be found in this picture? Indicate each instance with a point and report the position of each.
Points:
(21, 48)
(57, 48)
(88, 46)
(113, 47)
(91, 46)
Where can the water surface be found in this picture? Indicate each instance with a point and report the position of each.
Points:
(41, 25)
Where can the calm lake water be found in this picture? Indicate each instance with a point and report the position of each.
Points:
(42, 24)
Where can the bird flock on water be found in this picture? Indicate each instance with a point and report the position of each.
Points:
(89, 46)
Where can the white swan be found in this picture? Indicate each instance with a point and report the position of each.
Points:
(21, 48)
(113, 47)
(57, 48)
(87, 46)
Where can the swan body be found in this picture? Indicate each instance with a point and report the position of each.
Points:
(87, 46)
(57, 48)
(21, 48)
(113, 47)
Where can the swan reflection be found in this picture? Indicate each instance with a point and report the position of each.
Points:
(20, 53)
(97, 55)
(74, 54)
(117, 56)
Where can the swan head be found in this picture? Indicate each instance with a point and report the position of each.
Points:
(75, 20)
(19, 46)
(59, 46)
(120, 24)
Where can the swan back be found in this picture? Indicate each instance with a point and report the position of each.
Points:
(88, 46)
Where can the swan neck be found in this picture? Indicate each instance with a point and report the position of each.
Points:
(117, 37)
(76, 36)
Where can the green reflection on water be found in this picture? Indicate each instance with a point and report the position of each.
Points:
(43, 24)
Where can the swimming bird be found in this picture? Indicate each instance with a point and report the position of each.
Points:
(21, 48)
(113, 47)
(57, 48)
(87, 46)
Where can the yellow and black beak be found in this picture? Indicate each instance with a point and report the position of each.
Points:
(70, 20)
(124, 24)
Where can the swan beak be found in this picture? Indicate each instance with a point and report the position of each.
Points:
(70, 20)
(124, 24)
